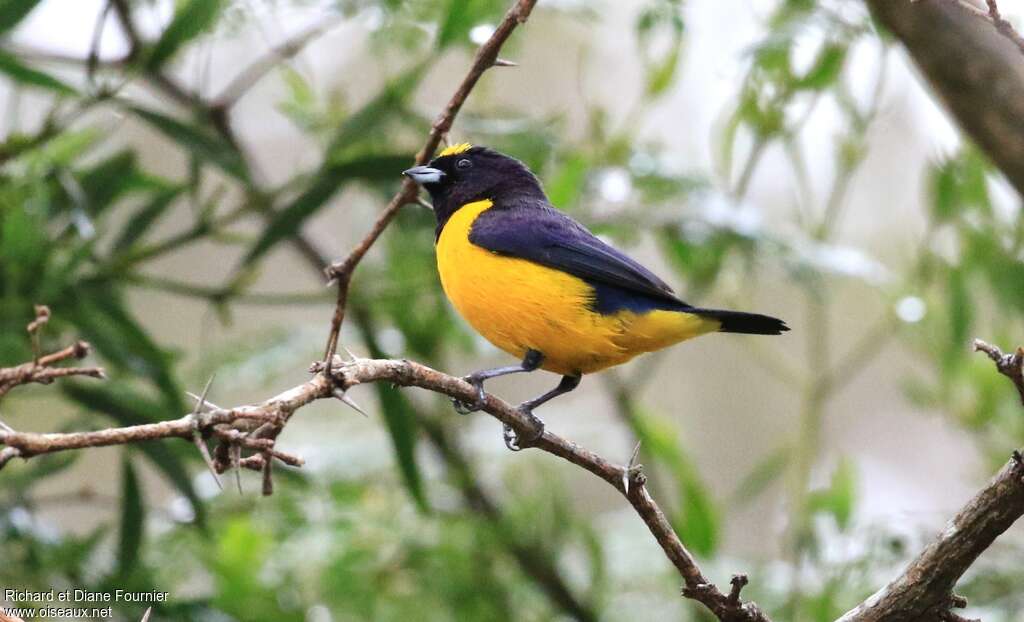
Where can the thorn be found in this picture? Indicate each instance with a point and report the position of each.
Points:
(201, 402)
(204, 451)
(145, 616)
(331, 282)
(424, 203)
(501, 62)
(349, 353)
(635, 455)
(344, 397)
(197, 437)
(6, 428)
(197, 398)
(630, 467)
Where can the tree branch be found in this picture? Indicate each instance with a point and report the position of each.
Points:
(973, 61)
(924, 591)
(252, 421)
(630, 481)
(486, 57)
(39, 368)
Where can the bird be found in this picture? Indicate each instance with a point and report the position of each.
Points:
(543, 288)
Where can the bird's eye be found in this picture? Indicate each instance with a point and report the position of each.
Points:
(463, 164)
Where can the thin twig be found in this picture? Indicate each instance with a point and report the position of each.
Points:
(40, 369)
(486, 56)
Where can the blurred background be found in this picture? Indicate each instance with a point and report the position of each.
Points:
(171, 186)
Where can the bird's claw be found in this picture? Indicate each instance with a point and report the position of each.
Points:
(465, 408)
(512, 440)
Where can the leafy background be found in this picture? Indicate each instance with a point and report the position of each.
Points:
(778, 155)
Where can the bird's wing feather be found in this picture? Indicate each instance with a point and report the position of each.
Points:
(544, 235)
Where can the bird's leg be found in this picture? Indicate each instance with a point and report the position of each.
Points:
(531, 361)
(567, 384)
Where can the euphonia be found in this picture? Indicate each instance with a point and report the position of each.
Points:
(540, 286)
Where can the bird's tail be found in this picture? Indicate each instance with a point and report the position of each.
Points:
(740, 322)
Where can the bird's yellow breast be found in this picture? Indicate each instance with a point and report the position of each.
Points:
(519, 305)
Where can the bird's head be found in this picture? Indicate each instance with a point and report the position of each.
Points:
(463, 173)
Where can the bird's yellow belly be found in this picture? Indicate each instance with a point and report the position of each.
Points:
(519, 305)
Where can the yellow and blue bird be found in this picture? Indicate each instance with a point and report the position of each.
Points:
(540, 286)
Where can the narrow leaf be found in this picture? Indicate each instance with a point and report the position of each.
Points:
(144, 218)
(28, 76)
(133, 518)
(198, 142)
(191, 20)
(128, 407)
(289, 220)
(399, 417)
(13, 11)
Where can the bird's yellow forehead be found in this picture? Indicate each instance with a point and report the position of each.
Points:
(455, 149)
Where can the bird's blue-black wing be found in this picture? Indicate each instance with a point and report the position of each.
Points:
(544, 235)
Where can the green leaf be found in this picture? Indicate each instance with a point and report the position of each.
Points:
(961, 317)
(198, 142)
(109, 179)
(28, 76)
(192, 18)
(289, 220)
(826, 69)
(942, 183)
(400, 419)
(458, 19)
(661, 75)
(129, 407)
(698, 519)
(21, 480)
(361, 131)
(13, 11)
(840, 497)
(133, 518)
(100, 316)
(144, 218)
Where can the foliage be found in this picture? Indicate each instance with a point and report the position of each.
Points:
(83, 229)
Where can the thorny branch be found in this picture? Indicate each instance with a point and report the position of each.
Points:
(486, 57)
(41, 369)
(242, 425)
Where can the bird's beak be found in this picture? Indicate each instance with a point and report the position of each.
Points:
(424, 175)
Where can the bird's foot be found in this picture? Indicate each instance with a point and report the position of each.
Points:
(465, 408)
(512, 440)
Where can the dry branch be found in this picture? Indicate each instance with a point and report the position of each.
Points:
(40, 369)
(924, 590)
(274, 413)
